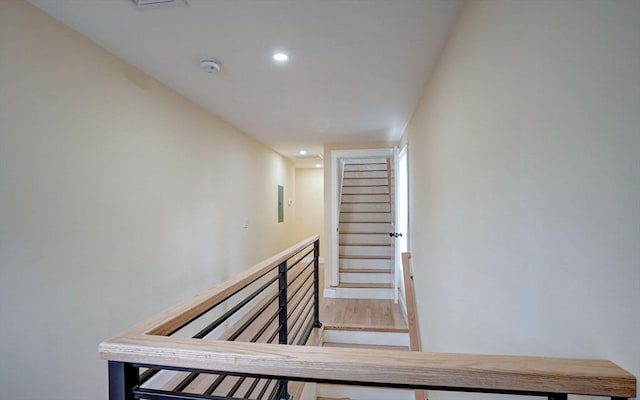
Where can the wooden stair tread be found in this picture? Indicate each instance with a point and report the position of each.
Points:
(344, 186)
(365, 285)
(364, 327)
(366, 244)
(365, 212)
(365, 270)
(364, 233)
(364, 222)
(365, 257)
(364, 202)
(365, 185)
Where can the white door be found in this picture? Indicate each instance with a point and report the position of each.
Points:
(401, 211)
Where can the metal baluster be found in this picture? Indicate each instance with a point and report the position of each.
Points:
(282, 319)
(316, 285)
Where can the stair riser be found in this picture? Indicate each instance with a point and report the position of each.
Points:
(360, 293)
(365, 207)
(365, 174)
(365, 182)
(366, 251)
(365, 167)
(369, 277)
(365, 217)
(356, 227)
(365, 190)
(365, 198)
(366, 161)
(371, 264)
(354, 238)
(366, 337)
(340, 392)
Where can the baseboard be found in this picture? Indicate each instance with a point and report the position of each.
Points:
(329, 293)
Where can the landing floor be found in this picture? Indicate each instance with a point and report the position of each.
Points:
(360, 313)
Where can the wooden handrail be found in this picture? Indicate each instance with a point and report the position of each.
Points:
(443, 371)
(412, 313)
(147, 345)
(173, 318)
(410, 300)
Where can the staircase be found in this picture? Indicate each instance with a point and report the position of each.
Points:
(365, 248)
(371, 338)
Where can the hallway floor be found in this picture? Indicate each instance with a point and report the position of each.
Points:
(365, 314)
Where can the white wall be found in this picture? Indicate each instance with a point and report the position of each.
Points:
(309, 204)
(118, 198)
(525, 182)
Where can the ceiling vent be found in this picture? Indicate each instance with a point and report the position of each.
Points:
(158, 3)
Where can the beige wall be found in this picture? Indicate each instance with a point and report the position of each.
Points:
(525, 182)
(118, 198)
(309, 204)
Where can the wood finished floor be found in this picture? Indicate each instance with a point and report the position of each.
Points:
(360, 313)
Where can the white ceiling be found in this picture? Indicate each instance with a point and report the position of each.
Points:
(356, 70)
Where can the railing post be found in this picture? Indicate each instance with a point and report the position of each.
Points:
(557, 396)
(284, 394)
(282, 302)
(316, 284)
(122, 379)
(282, 318)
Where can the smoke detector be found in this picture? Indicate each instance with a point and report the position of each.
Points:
(210, 66)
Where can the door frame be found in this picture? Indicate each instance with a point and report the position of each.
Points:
(337, 160)
(400, 152)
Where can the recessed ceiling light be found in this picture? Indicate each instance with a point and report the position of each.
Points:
(302, 152)
(280, 57)
(318, 165)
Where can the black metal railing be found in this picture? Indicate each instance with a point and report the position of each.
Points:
(278, 304)
(191, 352)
